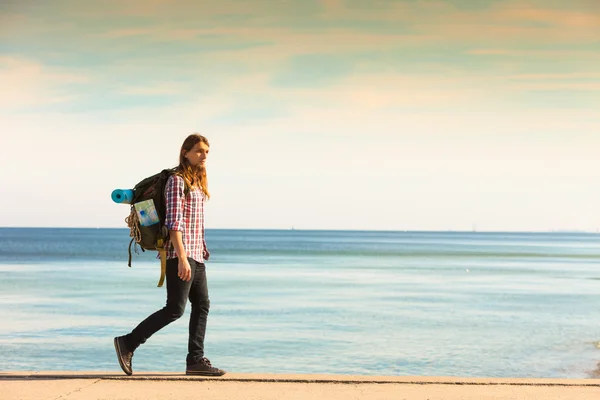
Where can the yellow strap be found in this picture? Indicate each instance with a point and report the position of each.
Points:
(163, 266)
(163, 260)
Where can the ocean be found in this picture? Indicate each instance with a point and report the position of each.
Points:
(468, 304)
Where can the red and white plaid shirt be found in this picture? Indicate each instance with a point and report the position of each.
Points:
(185, 214)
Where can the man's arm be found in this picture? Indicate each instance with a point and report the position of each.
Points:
(175, 198)
(177, 240)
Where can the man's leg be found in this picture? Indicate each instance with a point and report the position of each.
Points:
(200, 302)
(177, 293)
(197, 364)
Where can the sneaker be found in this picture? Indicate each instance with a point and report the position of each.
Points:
(123, 355)
(203, 368)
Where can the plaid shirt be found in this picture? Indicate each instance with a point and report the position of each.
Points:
(185, 214)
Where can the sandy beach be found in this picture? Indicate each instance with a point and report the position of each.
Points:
(149, 386)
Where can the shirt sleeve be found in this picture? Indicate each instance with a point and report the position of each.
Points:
(174, 200)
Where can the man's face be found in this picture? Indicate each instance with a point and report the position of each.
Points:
(197, 155)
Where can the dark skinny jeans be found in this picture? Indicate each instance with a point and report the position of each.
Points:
(178, 291)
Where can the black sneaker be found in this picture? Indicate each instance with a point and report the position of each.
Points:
(203, 368)
(123, 355)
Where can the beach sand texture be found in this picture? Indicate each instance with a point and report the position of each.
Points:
(150, 386)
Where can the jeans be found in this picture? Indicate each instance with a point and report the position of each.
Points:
(178, 291)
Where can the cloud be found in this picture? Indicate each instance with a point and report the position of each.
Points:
(10, 21)
(559, 18)
(334, 25)
(27, 83)
(403, 92)
(574, 75)
(515, 52)
(181, 11)
(331, 7)
(585, 86)
(123, 33)
(379, 54)
(407, 33)
(166, 88)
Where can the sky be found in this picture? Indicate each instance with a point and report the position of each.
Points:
(321, 114)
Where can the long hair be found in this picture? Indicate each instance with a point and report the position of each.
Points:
(193, 176)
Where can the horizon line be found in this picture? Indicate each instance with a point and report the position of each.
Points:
(334, 230)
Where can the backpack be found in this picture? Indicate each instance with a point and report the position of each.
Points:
(147, 218)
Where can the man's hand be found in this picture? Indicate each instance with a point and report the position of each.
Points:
(184, 272)
(205, 254)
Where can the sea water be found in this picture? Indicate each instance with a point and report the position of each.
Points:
(291, 301)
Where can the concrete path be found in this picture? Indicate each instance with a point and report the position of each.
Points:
(150, 386)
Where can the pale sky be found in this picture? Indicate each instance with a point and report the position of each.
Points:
(333, 114)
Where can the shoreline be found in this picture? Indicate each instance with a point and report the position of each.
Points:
(296, 378)
(158, 385)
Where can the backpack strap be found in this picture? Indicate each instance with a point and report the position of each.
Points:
(129, 262)
(186, 187)
(160, 246)
(163, 266)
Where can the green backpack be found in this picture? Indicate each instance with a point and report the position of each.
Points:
(147, 217)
